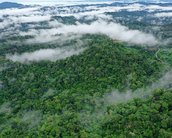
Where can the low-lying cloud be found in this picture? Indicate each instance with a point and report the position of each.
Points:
(110, 29)
(116, 96)
(44, 55)
(30, 19)
(18, 12)
(164, 14)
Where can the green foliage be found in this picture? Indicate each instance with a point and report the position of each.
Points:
(141, 117)
(61, 99)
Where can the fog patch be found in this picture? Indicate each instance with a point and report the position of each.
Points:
(116, 96)
(163, 14)
(5, 108)
(152, 8)
(32, 118)
(45, 55)
(4, 24)
(164, 82)
(1, 84)
(49, 93)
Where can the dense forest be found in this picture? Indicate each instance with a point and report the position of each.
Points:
(37, 103)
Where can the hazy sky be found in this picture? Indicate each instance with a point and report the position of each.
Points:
(51, 2)
(70, 2)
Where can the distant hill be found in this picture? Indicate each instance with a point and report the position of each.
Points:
(5, 5)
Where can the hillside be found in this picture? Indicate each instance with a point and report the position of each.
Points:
(82, 83)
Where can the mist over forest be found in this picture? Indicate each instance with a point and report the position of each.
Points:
(86, 69)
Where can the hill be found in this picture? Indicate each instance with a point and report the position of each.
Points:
(66, 98)
(5, 5)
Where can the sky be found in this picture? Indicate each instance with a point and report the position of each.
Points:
(59, 2)
(71, 2)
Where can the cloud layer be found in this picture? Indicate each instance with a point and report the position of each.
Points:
(111, 29)
(47, 24)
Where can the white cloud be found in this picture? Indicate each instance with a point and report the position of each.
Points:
(4, 24)
(44, 55)
(159, 8)
(17, 12)
(29, 19)
(164, 14)
(113, 30)
(96, 10)
(24, 15)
